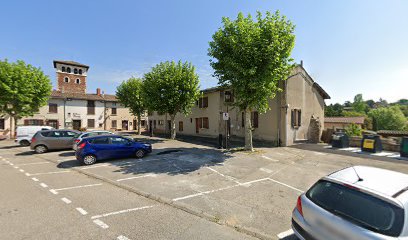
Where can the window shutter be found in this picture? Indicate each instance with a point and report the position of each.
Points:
(41, 122)
(299, 117)
(293, 118)
(25, 122)
(206, 102)
(243, 119)
(200, 102)
(205, 122)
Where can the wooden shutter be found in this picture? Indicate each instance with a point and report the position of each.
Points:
(299, 117)
(205, 123)
(25, 122)
(180, 126)
(293, 118)
(255, 120)
(243, 119)
(200, 102)
(205, 102)
(41, 122)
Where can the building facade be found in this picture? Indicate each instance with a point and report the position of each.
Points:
(71, 107)
(296, 113)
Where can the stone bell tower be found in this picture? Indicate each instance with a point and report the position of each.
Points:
(71, 76)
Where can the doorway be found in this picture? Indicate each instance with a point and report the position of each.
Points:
(125, 125)
(134, 124)
(76, 124)
(197, 124)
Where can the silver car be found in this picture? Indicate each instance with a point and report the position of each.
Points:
(52, 140)
(354, 203)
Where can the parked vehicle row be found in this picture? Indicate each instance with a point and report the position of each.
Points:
(24, 134)
(91, 146)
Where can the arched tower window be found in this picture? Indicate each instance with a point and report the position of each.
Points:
(66, 79)
(80, 71)
(75, 71)
(68, 70)
(77, 81)
(63, 69)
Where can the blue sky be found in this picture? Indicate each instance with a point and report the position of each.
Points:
(348, 46)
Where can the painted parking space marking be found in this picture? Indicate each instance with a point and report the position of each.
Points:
(101, 224)
(81, 210)
(223, 175)
(75, 187)
(53, 191)
(21, 170)
(26, 164)
(122, 211)
(270, 159)
(43, 185)
(16, 167)
(130, 178)
(121, 237)
(11, 164)
(286, 185)
(285, 234)
(35, 179)
(66, 200)
(266, 170)
(27, 174)
(46, 173)
(96, 166)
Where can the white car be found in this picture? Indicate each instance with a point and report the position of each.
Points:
(88, 134)
(26, 133)
(355, 203)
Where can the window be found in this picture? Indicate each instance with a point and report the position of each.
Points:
(56, 134)
(161, 122)
(53, 108)
(68, 70)
(113, 111)
(70, 134)
(205, 122)
(63, 69)
(91, 107)
(80, 71)
(52, 123)
(2, 124)
(101, 140)
(296, 118)
(75, 71)
(254, 119)
(33, 122)
(119, 140)
(77, 81)
(203, 102)
(228, 97)
(91, 123)
(202, 122)
(180, 126)
(358, 207)
(114, 104)
(114, 123)
(243, 119)
(66, 79)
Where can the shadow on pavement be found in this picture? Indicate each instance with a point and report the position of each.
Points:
(11, 147)
(67, 154)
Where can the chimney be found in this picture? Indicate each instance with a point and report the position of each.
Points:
(301, 63)
(98, 91)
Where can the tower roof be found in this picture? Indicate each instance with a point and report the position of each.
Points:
(73, 63)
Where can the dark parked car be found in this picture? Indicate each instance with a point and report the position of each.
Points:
(52, 140)
(92, 149)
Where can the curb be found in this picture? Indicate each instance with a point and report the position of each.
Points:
(181, 206)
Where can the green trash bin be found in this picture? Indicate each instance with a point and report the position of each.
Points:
(404, 147)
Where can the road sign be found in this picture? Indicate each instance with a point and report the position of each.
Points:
(225, 116)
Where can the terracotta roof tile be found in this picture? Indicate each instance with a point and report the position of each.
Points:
(70, 63)
(84, 96)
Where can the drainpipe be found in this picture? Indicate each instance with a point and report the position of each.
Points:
(65, 100)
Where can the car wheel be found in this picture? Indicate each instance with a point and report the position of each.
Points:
(89, 159)
(41, 149)
(24, 143)
(140, 153)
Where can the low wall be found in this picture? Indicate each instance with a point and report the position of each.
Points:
(388, 144)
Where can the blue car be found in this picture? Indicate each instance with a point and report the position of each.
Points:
(92, 149)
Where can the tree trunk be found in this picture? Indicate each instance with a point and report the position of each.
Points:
(173, 127)
(139, 124)
(11, 126)
(248, 131)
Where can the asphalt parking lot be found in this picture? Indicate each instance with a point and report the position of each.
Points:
(180, 191)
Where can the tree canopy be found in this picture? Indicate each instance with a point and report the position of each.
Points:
(171, 88)
(251, 57)
(129, 94)
(23, 89)
(390, 118)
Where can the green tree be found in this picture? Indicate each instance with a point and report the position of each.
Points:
(333, 110)
(251, 57)
(129, 94)
(390, 118)
(171, 88)
(358, 104)
(23, 89)
(353, 130)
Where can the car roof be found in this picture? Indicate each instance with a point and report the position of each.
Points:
(385, 182)
(104, 135)
(60, 130)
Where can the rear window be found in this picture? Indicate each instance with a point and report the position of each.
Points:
(45, 134)
(357, 207)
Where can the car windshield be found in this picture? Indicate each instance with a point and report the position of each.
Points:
(360, 208)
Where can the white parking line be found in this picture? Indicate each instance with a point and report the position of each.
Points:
(286, 185)
(96, 166)
(16, 167)
(225, 176)
(121, 211)
(74, 187)
(66, 200)
(143, 176)
(43, 185)
(21, 170)
(121, 237)
(25, 164)
(53, 191)
(101, 224)
(271, 159)
(45, 173)
(11, 164)
(82, 211)
(266, 170)
(285, 234)
(35, 179)
(27, 174)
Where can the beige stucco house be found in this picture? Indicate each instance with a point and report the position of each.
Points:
(296, 113)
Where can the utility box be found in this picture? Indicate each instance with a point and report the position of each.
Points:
(371, 143)
(404, 147)
(340, 140)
